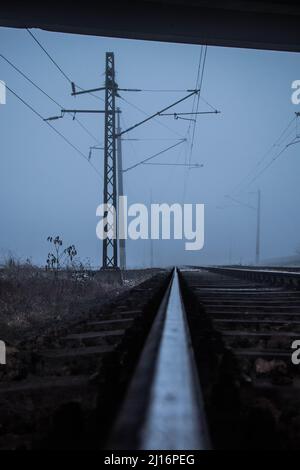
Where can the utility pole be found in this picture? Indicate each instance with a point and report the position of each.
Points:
(151, 254)
(258, 228)
(110, 243)
(122, 246)
(230, 251)
(258, 211)
(151, 241)
(110, 188)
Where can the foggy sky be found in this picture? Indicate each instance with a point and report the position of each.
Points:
(46, 188)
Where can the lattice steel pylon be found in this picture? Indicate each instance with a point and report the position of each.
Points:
(110, 243)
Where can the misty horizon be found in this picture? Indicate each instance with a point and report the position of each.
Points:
(48, 189)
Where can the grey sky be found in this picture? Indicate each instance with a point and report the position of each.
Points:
(46, 188)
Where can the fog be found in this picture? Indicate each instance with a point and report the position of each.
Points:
(47, 188)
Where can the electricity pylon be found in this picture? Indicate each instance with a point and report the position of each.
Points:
(110, 242)
(110, 190)
(257, 251)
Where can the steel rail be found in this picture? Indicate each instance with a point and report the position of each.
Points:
(164, 408)
(286, 278)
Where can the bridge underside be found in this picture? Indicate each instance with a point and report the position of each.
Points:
(264, 25)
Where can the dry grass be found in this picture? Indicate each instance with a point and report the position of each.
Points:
(33, 300)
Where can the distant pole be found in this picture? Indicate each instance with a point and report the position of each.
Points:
(230, 250)
(120, 190)
(151, 241)
(151, 254)
(257, 259)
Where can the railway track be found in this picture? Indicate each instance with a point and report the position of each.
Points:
(243, 322)
(62, 391)
(190, 359)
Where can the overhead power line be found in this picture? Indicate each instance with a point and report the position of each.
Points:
(54, 129)
(199, 86)
(148, 118)
(56, 64)
(17, 69)
(166, 91)
(206, 102)
(151, 139)
(49, 56)
(254, 173)
(193, 165)
(268, 165)
(154, 119)
(29, 80)
(153, 156)
(241, 203)
(195, 108)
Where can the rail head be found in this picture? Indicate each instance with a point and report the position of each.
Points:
(164, 408)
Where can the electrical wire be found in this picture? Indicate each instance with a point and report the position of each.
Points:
(197, 81)
(197, 102)
(195, 107)
(172, 164)
(154, 119)
(49, 56)
(152, 156)
(267, 166)
(278, 142)
(46, 94)
(149, 139)
(55, 130)
(165, 91)
(123, 123)
(208, 104)
(56, 64)
(157, 113)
